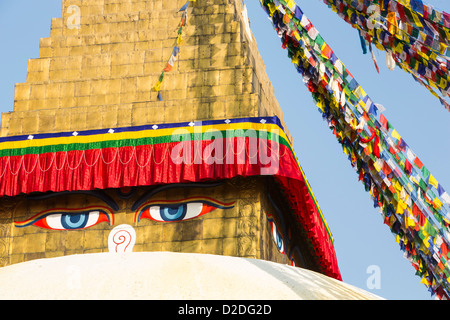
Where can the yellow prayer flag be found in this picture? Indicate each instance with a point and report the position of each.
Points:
(424, 281)
(401, 207)
(437, 203)
(432, 84)
(157, 87)
(423, 55)
(392, 220)
(363, 93)
(399, 48)
(321, 105)
(290, 4)
(443, 83)
(443, 48)
(426, 243)
(272, 8)
(179, 39)
(392, 23)
(416, 20)
(432, 181)
(395, 135)
(296, 58)
(398, 186)
(409, 223)
(357, 91)
(377, 166)
(433, 56)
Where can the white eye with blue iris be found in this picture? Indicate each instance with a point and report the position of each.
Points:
(277, 238)
(176, 212)
(70, 221)
(179, 210)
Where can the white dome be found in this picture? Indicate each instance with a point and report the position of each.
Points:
(167, 275)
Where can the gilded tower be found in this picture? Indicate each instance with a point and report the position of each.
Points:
(102, 59)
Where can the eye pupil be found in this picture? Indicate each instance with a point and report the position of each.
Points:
(74, 221)
(173, 213)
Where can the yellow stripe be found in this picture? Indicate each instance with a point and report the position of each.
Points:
(137, 134)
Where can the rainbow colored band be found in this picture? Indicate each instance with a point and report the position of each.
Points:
(128, 136)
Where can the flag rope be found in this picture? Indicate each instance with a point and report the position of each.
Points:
(414, 204)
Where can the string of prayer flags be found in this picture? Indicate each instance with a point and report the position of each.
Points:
(415, 36)
(176, 50)
(414, 204)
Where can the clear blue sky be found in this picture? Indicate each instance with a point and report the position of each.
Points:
(361, 238)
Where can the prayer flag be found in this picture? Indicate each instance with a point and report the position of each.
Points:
(157, 87)
(384, 121)
(432, 181)
(185, 6)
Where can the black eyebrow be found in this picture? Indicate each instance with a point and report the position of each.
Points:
(96, 193)
(151, 193)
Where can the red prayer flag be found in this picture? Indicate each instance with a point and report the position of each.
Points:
(446, 19)
(418, 163)
(401, 12)
(384, 121)
(408, 167)
(415, 210)
(327, 52)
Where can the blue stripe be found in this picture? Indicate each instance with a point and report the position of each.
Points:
(40, 136)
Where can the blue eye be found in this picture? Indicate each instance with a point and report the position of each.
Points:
(74, 221)
(278, 240)
(277, 237)
(173, 213)
(69, 219)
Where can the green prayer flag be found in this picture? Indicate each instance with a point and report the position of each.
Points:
(319, 40)
(425, 172)
(423, 185)
(430, 229)
(421, 235)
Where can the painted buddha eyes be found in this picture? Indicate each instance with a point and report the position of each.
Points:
(160, 211)
(69, 219)
(177, 212)
(172, 211)
(277, 238)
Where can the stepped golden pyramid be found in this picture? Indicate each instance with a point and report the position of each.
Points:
(101, 74)
(69, 199)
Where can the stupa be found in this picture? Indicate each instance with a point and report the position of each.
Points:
(148, 133)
